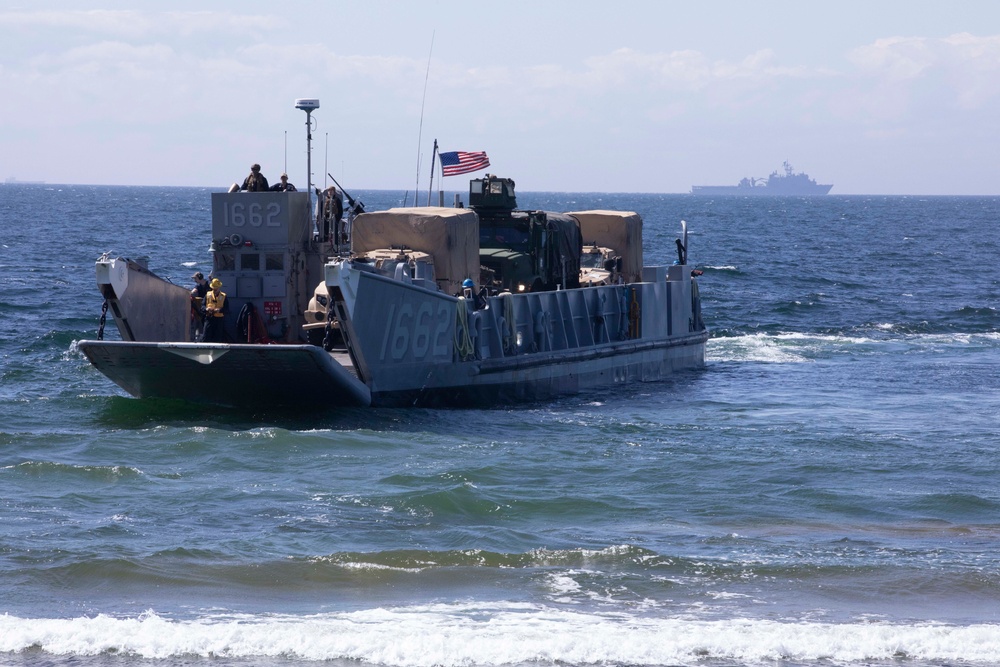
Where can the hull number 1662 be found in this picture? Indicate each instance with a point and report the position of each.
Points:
(252, 215)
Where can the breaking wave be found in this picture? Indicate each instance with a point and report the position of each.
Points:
(458, 635)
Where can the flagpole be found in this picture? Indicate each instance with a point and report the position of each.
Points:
(430, 188)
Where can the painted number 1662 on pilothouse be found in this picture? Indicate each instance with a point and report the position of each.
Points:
(252, 214)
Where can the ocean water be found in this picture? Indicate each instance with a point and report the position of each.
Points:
(825, 492)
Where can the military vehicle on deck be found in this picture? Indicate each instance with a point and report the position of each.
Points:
(523, 251)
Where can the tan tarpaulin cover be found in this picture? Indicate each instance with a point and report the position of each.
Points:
(449, 235)
(619, 230)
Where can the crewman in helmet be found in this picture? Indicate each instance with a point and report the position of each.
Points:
(216, 307)
(469, 292)
(255, 182)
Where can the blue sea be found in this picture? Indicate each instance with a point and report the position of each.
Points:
(825, 492)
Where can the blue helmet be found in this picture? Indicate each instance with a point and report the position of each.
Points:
(468, 283)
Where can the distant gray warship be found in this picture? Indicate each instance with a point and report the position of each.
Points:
(788, 183)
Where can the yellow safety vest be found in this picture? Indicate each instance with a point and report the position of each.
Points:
(217, 302)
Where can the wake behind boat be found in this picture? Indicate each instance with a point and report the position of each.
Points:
(423, 306)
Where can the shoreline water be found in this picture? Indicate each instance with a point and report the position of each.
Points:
(824, 491)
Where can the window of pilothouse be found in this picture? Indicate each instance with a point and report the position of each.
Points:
(274, 261)
(250, 261)
(224, 261)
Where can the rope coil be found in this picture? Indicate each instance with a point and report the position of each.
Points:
(463, 342)
(509, 332)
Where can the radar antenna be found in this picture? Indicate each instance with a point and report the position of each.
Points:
(308, 104)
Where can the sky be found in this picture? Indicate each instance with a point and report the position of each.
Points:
(874, 96)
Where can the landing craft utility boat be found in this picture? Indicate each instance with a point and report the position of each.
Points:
(390, 319)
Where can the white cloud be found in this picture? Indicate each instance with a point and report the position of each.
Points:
(228, 79)
(963, 67)
(136, 24)
(894, 58)
(95, 21)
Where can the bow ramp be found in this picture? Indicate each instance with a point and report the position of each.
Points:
(232, 375)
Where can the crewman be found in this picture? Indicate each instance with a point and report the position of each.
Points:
(216, 307)
(284, 185)
(198, 302)
(255, 182)
(469, 292)
(329, 211)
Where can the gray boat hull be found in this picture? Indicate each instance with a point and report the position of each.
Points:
(403, 346)
(762, 191)
(307, 377)
(232, 375)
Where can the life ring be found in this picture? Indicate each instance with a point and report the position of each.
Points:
(235, 239)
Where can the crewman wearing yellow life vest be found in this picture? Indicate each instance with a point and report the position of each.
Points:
(216, 308)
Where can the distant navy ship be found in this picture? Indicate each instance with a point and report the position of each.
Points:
(788, 183)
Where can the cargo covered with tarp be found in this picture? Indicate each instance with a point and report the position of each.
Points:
(570, 246)
(449, 235)
(621, 231)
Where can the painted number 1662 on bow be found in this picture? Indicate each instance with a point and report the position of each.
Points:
(418, 331)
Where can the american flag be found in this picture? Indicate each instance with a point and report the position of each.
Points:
(460, 162)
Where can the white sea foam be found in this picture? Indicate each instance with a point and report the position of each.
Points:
(756, 347)
(563, 587)
(801, 347)
(72, 352)
(455, 635)
(380, 566)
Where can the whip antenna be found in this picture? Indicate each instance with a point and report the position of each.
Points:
(420, 131)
